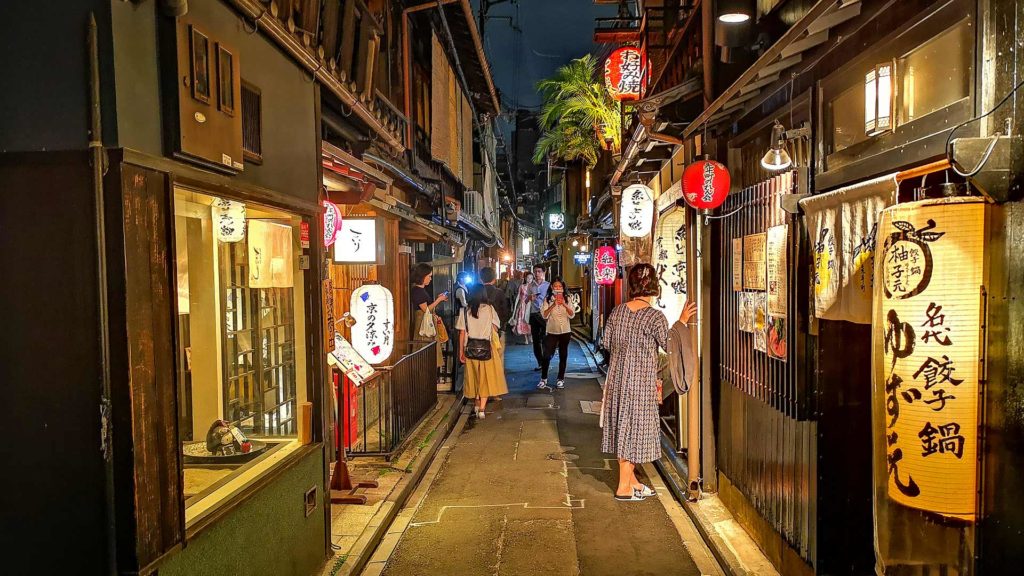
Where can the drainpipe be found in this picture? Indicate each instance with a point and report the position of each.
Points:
(707, 21)
(98, 161)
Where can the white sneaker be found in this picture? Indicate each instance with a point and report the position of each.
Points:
(543, 385)
(481, 414)
(560, 384)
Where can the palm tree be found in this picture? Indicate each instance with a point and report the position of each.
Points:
(578, 115)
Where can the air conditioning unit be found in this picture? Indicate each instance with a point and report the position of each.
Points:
(474, 204)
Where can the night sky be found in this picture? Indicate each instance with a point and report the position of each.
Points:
(553, 32)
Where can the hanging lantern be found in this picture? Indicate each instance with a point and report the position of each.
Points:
(229, 217)
(373, 335)
(624, 73)
(332, 223)
(669, 260)
(605, 265)
(705, 184)
(637, 211)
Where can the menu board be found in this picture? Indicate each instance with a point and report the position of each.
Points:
(777, 270)
(737, 264)
(754, 261)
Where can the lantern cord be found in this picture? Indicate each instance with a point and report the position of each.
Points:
(708, 218)
(991, 146)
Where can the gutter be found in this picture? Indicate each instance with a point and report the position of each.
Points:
(273, 28)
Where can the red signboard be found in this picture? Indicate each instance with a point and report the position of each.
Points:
(705, 184)
(605, 265)
(332, 223)
(625, 73)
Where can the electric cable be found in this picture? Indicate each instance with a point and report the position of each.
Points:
(995, 137)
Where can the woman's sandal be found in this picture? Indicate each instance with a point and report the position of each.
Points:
(646, 491)
(635, 497)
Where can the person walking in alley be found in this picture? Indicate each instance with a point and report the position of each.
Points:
(629, 413)
(537, 291)
(422, 304)
(521, 314)
(557, 313)
(496, 298)
(480, 350)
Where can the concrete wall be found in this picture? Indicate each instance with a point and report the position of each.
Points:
(266, 535)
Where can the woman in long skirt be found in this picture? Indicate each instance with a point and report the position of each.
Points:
(633, 333)
(484, 378)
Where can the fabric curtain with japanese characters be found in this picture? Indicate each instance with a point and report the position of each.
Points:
(842, 226)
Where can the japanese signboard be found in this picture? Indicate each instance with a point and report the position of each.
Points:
(357, 241)
(556, 221)
(637, 211)
(270, 255)
(669, 261)
(737, 264)
(777, 268)
(229, 218)
(332, 222)
(754, 261)
(345, 357)
(605, 266)
(373, 335)
(927, 346)
(624, 73)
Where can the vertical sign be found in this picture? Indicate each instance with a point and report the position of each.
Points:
(373, 335)
(927, 346)
(754, 265)
(605, 265)
(636, 214)
(737, 264)
(669, 260)
(777, 270)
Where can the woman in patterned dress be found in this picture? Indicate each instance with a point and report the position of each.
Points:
(633, 333)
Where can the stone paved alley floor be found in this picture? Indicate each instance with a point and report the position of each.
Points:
(527, 491)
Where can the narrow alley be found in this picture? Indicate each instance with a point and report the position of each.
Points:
(526, 491)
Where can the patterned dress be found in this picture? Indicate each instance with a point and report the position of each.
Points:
(630, 410)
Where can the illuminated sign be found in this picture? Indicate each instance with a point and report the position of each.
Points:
(669, 261)
(556, 221)
(373, 334)
(927, 346)
(582, 258)
(605, 265)
(357, 242)
(637, 211)
(229, 218)
(624, 72)
(332, 223)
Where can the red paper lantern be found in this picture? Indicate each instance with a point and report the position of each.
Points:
(705, 184)
(332, 223)
(605, 265)
(625, 72)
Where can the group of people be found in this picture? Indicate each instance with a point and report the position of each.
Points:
(539, 311)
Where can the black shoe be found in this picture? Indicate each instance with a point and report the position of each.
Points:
(537, 369)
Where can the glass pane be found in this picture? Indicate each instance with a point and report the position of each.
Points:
(848, 116)
(242, 336)
(937, 73)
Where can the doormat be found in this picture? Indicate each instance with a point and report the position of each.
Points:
(590, 406)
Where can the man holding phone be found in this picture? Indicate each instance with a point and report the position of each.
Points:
(538, 291)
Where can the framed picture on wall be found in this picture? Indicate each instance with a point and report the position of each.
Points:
(199, 50)
(225, 80)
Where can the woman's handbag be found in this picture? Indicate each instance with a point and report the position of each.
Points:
(476, 348)
(442, 332)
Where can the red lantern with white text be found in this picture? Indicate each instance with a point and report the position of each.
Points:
(705, 184)
(605, 265)
(624, 73)
(332, 223)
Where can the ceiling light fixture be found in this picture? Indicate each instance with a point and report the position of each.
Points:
(735, 11)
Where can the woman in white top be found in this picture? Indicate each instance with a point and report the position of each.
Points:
(484, 378)
(557, 312)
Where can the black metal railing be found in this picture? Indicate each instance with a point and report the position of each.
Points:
(389, 407)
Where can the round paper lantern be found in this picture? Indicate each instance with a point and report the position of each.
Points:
(705, 184)
(637, 211)
(624, 73)
(373, 335)
(605, 265)
(229, 218)
(332, 223)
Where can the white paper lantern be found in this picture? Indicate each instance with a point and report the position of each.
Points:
(637, 211)
(669, 260)
(229, 218)
(373, 335)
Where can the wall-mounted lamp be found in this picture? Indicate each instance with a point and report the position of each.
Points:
(588, 178)
(777, 158)
(878, 99)
(735, 11)
(575, 242)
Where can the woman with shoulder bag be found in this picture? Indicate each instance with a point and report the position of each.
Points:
(423, 309)
(480, 350)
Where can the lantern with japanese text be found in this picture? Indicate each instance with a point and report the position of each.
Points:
(332, 223)
(624, 73)
(605, 265)
(705, 184)
(373, 335)
(229, 218)
(637, 211)
(669, 260)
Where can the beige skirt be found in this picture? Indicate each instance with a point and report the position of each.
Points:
(486, 378)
